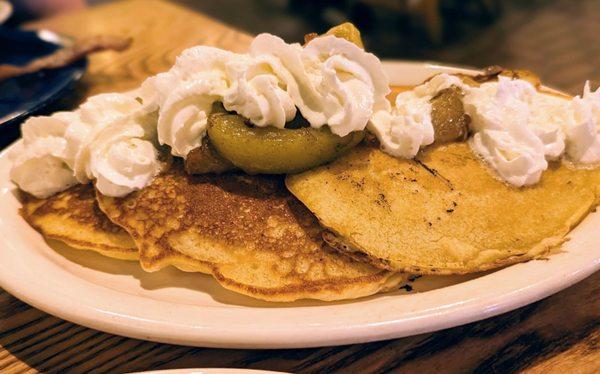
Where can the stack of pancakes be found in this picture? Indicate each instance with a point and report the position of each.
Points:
(353, 228)
(248, 232)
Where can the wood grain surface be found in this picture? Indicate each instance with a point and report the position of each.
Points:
(560, 334)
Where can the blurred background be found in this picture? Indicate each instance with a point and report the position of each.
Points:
(558, 39)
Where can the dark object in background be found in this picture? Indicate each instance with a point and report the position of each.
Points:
(24, 95)
(431, 21)
(557, 39)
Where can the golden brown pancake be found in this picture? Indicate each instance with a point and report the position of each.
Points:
(73, 217)
(249, 232)
(444, 213)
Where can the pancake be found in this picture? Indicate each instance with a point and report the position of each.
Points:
(73, 217)
(248, 232)
(444, 213)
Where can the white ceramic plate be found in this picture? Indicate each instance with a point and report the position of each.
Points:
(191, 309)
(210, 371)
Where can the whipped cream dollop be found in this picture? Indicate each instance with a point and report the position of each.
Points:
(407, 127)
(107, 139)
(185, 94)
(38, 158)
(583, 136)
(330, 80)
(517, 129)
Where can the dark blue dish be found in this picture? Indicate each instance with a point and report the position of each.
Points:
(27, 94)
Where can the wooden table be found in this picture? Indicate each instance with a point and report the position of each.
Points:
(560, 334)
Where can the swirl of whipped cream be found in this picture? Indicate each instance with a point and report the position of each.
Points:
(331, 80)
(407, 127)
(259, 94)
(548, 115)
(120, 160)
(353, 84)
(184, 95)
(287, 62)
(583, 137)
(117, 152)
(39, 158)
(493, 105)
(105, 140)
(88, 122)
(37, 171)
(183, 117)
(516, 161)
(517, 129)
(194, 64)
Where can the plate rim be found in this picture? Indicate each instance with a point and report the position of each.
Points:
(284, 331)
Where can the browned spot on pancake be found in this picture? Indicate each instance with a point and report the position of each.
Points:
(79, 203)
(73, 216)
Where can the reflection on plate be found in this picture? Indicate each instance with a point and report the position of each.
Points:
(189, 308)
(27, 94)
